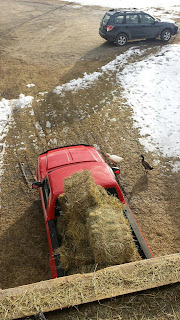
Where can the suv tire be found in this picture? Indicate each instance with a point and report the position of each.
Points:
(165, 35)
(121, 39)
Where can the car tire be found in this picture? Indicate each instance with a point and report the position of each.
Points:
(165, 35)
(121, 39)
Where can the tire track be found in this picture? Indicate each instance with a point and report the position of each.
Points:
(2, 33)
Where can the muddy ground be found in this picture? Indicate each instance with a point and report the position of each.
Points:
(48, 43)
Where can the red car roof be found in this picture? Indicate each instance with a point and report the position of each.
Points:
(69, 155)
(100, 171)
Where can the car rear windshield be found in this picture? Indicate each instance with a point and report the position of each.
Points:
(105, 19)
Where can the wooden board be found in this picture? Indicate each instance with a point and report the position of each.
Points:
(77, 289)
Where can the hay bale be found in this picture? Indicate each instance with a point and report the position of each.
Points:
(75, 259)
(94, 229)
(67, 255)
(110, 237)
(82, 193)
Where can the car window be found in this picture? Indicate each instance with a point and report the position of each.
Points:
(57, 209)
(105, 19)
(112, 192)
(45, 190)
(132, 19)
(145, 18)
(119, 19)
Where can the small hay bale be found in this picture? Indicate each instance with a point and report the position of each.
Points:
(81, 193)
(110, 237)
(75, 258)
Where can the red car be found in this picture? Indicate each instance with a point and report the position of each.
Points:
(57, 164)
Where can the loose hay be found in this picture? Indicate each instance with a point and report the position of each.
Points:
(94, 229)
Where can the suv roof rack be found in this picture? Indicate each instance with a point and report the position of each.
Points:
(124, 10)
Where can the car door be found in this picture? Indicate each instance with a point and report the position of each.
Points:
(133, 26)
(149, 26)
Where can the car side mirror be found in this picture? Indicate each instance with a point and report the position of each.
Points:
(36, 184)
(116, 170)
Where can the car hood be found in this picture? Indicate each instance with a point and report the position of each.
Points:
(168, 21)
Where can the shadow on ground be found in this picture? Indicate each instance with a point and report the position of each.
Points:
(24, 250)
(140, 186)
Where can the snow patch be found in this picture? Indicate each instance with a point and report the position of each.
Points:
(30, 85)
(43, 93)
(80, 83)
(152, 89)
(88, 79)
(128, 3)
(7, 106)
(48, 124)
(6, 109)
(23, 101)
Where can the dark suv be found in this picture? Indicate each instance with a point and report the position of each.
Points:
(120, 26)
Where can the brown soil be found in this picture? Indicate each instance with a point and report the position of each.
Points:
(48, 43)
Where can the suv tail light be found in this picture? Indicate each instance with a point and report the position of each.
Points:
(109, 28)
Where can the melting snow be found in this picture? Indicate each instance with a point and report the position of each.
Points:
(152, 88)
(88, 79)
(30, 85)
(80, 83)
(43, 93)
(6, 108)
(48, 124)
(128, 3)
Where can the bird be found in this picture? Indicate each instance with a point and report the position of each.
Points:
(146, 165)
(113, 158)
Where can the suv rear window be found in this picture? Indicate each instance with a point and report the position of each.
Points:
(105, 19)
(119, 19)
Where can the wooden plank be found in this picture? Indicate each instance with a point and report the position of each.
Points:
(77, 289)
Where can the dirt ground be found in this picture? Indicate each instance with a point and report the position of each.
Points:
(48, 43)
